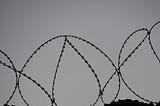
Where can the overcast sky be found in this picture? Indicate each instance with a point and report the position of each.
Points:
(26, 24)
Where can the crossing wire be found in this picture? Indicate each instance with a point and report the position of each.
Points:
(117, 68)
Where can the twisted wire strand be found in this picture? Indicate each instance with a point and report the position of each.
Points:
(28, 60)
(112, 63)
(13, 66)
(55, 74)
(125, 60)
(150, 41)
(17, 82)
(119, 86)
(134, 50)
(20, 93)
(125, 42)
(117, 69)
(142, 98)
(89, 66)
(52, 39)
(28, 77)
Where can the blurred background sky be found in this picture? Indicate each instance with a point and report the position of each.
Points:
(26, 24)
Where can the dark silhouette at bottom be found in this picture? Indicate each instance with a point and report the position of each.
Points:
(129, 102)
(117, 69)
(8, 105)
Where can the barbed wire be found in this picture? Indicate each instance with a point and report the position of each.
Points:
(117, 69)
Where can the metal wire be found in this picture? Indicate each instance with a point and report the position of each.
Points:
(116, 71)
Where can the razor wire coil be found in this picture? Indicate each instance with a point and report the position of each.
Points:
(117, 69)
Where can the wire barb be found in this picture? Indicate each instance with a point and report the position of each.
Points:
(117, 69)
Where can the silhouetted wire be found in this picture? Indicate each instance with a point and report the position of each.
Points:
(55, 75)
(66, 40)
(120, 65)
(150, 42)
(8, 58)
(106, 56)
(134, 50)
(35, 52)
(56, 38)
(17, 82)
(31, 56)
(119, 85)
(93, 71)
(28, 77)
(125, 42)
(125, 60)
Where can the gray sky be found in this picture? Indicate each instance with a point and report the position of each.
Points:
(26, 24)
